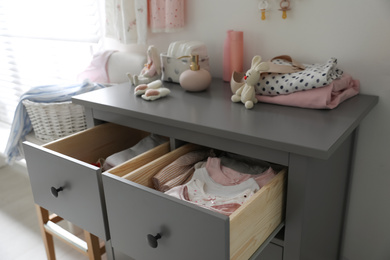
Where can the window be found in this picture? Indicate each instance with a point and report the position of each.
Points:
(44, 42)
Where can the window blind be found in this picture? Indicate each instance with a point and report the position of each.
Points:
(44, 42)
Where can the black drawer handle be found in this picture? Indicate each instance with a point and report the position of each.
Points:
(55, 191)
(152, 240)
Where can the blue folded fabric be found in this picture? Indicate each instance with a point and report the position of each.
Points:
(21, 124)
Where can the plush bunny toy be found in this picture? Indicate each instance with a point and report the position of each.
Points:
(151, 70)
(246, 93)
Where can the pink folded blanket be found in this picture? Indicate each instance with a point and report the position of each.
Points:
(327, 97)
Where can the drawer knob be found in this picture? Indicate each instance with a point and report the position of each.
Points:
(55, 191)
(152, 240)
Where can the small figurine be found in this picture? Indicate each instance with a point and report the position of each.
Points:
(246, 93)
(151, 70)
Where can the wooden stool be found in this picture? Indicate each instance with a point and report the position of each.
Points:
(47, 223)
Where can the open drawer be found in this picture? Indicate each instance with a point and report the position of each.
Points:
(65, 181)
(137, 212)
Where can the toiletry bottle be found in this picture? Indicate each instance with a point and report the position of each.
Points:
(196, 78)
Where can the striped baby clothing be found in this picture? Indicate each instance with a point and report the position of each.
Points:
(180, 170)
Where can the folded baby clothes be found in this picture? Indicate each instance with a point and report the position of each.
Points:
(183, 178)
(228, 177)
(179, 170)
(327, 97)
(241, 163)
(204, 192)
(142, 146)
(312, 77)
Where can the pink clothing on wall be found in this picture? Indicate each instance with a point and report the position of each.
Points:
(327, 97)
(166, 15)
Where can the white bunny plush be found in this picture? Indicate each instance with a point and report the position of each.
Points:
(246, 93)
(151, 70)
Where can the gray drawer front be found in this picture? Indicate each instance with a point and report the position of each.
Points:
(188, 231)
(80, 200)
(271, 252)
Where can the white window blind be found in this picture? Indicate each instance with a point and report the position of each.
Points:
(44, 42)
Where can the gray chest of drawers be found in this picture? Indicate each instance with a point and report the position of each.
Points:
(315, 145)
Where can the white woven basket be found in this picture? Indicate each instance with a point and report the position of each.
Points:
(51, 121)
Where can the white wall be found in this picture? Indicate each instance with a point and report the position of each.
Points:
(357, 32)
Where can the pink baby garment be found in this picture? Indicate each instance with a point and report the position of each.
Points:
(227, 176)
(204, 192)
(177, 172)
(313, 76)
(166, 15)
(327, 97)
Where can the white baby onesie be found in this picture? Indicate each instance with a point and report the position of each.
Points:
(203, 191)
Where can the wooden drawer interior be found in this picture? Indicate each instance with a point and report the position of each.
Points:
(250, 225)
(140, 160)
(97, 142)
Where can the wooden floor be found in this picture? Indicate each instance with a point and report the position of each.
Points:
(20, 238)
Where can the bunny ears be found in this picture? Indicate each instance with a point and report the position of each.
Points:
(151, 91)
(258, 65)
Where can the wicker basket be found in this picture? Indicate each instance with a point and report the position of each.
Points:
(51, 121)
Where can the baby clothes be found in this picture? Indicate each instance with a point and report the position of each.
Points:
(228, 177)
(314, 76)
(166, 15)
(327, 97)
(182, 178)
(179, 170)
(203, 191)
(243, 163)
(142, 146)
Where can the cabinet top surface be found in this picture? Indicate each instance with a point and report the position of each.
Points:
(309, 132)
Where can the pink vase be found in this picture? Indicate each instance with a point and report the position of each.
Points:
(227, 72)
(236, 51)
